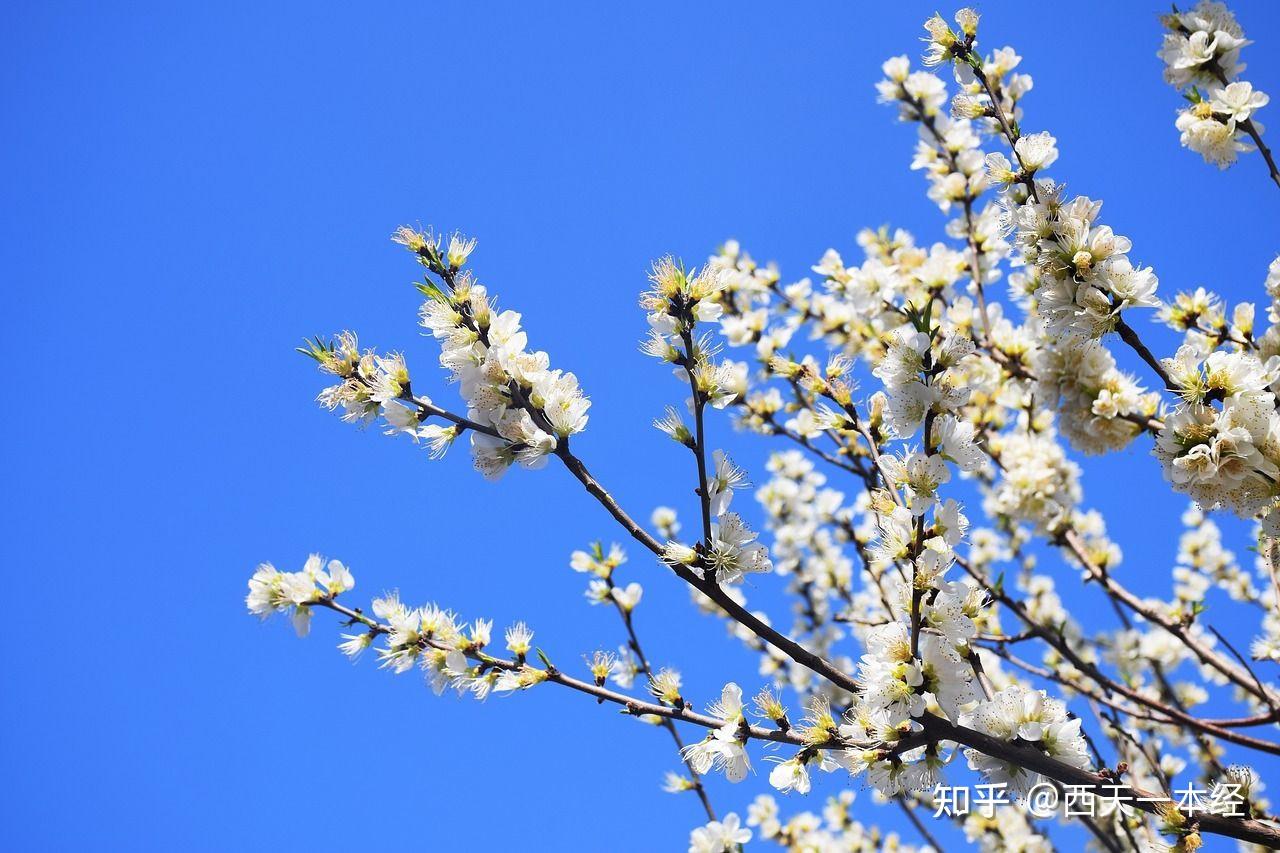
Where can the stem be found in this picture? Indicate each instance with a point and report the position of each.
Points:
(930, 124)
(633, 705)
(934, 729)
(430, 409)
(917, 823)
(634, 641)
(975, 266)
(700, 439)
(1232, 671)
(710, 589)
(1249, 128)
(1130, 337)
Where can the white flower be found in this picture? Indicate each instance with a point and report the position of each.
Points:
(1132, 287)
(665, 521)
(719, 836)
(628, 597)
(729, 708)
(438, 438)
(896, 68)
(1217, 142)
(889, 675)
(719, 751)
(940, 40)
(920, 476)
(460, 248)
(679, 554)
(485, 352)
(904, 359)
(481, 630)
(272, 591)
(387, 376)
(721, 484)
(790, 775)
(519, 639)
(596, 561)
(334, 578)
(1191, 57)
(601, 664)
(598, 592)
(353, 644)
(1036, 151)
(674, 783)
(999, 169)
(909, 403)
(1237, 100)
(400, 417)
(927, 89)
(665, 685)
(1031, 717)
(1038, 483)
(958, 440)
(627, 668)
(674, 426)
(733, 550)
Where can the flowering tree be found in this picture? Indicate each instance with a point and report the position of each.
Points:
(917, 637)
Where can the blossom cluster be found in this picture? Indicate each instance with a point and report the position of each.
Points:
(273, 591)
(519, 409)
(449, 651)
(530, 406)
(1222, 445)
(1030, 717)
(1202, 49)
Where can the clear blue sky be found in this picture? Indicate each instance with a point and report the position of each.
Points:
(191, 188)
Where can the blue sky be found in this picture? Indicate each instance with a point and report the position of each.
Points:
(193, 188)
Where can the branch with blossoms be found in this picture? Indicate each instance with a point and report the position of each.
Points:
(1202, 48)
(897, 654)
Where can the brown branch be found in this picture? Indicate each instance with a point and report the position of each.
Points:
(633, 640)
(707, 587)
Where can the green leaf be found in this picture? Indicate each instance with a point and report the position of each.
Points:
(316, 349)
(430, 290)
